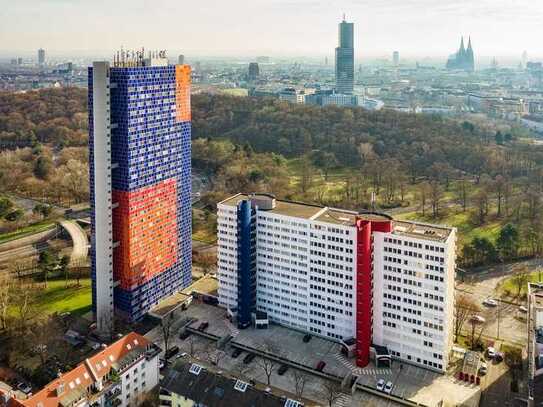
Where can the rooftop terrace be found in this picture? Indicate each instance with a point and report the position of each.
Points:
(341, 216)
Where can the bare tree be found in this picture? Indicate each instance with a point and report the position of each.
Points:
(268, 366)
(331, 391)
(7, 298)
(423, 194)
(520, 279)
(166, 328)
(214, 355)
(300, 379)
(465, 308)
(436, 195)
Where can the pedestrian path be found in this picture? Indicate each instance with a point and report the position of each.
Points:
(360, 371)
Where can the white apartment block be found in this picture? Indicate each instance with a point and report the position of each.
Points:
(340, 275)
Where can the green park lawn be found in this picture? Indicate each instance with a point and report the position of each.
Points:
(59, 298)
(26, 231)
(510, 286)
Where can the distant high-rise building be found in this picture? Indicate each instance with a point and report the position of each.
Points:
(263, 60)
(41, 57)
(524, 59)
(326, 61)
(181, 59)
(463, 59)
(254, 71)
(140, 184)
(345, 58)
(396, 58)
(19, 61)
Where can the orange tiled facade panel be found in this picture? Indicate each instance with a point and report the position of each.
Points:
(145, 225)
(182, 93)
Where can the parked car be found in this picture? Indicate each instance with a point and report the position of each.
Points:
(320, 366)
(479, 319)
(490, 352)
(307, 338)
(24, 387)
(182, 355)
(161, 363)
(248, 359)
(499, 357)
(380, 385)
(483, 369)
(522, 308)
(184, 334)
(388, 388)
(282, 370)
(203, 326)
(171, 352)
(490, 302)
(236, 353)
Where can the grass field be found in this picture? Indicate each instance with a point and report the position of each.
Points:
(510, 286)
(27, 230)
(57, 298)
(461, 221)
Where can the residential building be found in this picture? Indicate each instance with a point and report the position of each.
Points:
(119, 375)
(535, 344)
(341, 275)
(190, 384)
(140, 184)
(292, 95)
(41, 57)
(345, 58)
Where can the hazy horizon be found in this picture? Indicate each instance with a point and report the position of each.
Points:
(287, 28)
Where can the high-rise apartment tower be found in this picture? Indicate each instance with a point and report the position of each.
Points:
(140, 176)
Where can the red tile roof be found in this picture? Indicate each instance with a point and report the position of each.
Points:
(85, 374)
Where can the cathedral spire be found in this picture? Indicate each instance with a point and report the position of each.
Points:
(462, 48)
(469, 43)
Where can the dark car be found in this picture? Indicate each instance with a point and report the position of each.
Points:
(307, 338)
(320, 366)
(171, 352)
(236, 353)
(282, 370)
(184, 334)
(247, 359)
(203, 326)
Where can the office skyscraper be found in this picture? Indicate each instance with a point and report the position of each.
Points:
(253, 71)
(41, 57)
(140, 175)
(181, 59)
(345, 58)
(396, 58)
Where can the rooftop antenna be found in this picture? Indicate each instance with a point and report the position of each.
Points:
(343, 16)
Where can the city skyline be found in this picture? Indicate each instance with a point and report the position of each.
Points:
(415, 28)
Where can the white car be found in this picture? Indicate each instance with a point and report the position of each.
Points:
(490, 302)
(522, 308)
(483, 369)
(478, 319)
(490, 352)
(388, 388)
(182, 355)
(380, 385)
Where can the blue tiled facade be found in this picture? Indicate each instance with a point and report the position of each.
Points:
(148, 145)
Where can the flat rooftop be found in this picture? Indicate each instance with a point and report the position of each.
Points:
(343, 217)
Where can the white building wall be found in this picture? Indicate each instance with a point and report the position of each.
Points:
(414, 297)
(138, 380)
(227, 264)
(102, 240)
(332, 278)
(283, 268)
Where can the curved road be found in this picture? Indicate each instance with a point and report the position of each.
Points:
(80, 242)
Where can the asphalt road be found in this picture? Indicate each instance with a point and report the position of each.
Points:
(80, 249)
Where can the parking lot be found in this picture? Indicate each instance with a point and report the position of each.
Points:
(411, 382)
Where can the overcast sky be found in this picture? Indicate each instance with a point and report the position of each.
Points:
(274, 27)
